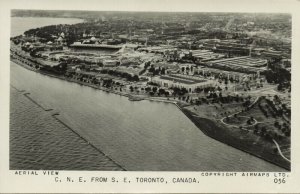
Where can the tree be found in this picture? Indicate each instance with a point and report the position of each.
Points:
(135, 78)
(156, 72)
(147, 64)
(226, 81)
(152, 69)
(131, 89)
(263, 130)
(183, 91)
(182, 69)
(249, 122)
(176, 91)
(147, 89)
(276, 123)
(198, 90)
(161, 91)
(154, 89)
(187, 69)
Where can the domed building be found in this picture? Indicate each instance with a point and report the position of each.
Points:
(60, 39)
(93, 39)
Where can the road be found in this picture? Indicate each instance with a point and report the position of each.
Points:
(279, 150)
(255, 121)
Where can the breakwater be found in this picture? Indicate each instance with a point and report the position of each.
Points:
(55, 116)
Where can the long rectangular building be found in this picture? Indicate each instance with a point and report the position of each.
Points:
(240, 64)
(179, 81)
(206, 55)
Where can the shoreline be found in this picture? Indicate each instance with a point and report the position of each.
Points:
(131, 97)
(209, 130)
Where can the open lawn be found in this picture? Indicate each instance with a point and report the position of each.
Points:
(252, 129)
(216, 110)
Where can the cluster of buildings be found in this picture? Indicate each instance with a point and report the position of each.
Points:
(171, 52)
(183, 68)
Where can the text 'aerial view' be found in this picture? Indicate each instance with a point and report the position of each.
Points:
(150, 91)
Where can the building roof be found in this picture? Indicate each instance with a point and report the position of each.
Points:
(184, 80)
(95, 46)
(241, 61)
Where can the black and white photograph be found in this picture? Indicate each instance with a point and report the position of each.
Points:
(144, 91)
(150, 90)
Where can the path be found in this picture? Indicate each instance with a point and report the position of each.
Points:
(279, 150)
(255, 121)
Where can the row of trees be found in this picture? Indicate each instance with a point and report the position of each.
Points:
(216, 98)
(179, 91)
(266, 133)
(206, 90)
(128, 76)
(284, 128)
(278, 76)
(217, 76)
(153, 90)
(219, 99)
(157, 71)
(265, 109)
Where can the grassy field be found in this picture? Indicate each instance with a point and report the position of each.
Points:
(229, 124)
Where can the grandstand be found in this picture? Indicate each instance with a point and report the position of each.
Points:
(240, 64)
(242, 61)
(206, 55)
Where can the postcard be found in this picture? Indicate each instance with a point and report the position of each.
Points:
(149, 96)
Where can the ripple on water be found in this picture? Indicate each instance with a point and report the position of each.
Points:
(138, 135)
(39, 141)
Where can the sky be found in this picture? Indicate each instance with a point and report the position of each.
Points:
(158, 5)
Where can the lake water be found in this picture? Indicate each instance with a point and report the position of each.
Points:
(139, 136)
(20, 24)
